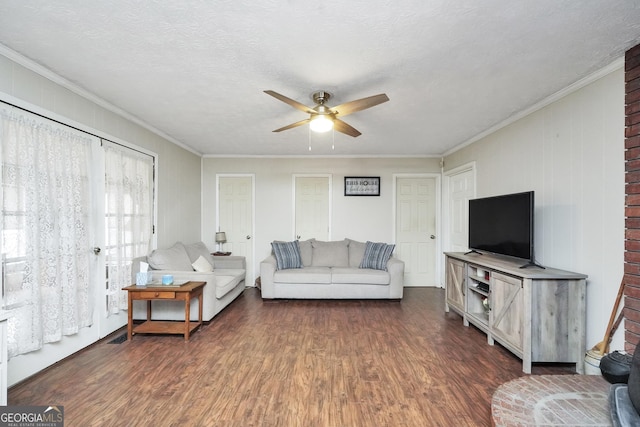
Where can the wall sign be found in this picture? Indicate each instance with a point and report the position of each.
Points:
(361, 185)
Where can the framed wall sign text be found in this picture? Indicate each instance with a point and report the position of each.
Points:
(361, 185)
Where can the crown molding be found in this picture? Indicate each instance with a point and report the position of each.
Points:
(59, 80)
(320, 156)
(614, 66)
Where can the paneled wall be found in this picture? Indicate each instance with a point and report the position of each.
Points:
(571, 153)
(632, 210)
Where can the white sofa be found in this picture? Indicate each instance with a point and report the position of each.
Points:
(225, 282)
(332, 270)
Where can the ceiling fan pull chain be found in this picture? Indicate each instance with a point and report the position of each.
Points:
(309, 139)
(333, 139)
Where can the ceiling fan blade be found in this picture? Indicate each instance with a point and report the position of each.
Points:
(345, 128)
(293, 103)
(293, 125)
(359, 104)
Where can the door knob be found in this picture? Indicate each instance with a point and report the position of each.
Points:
(96, 250)
(432, 237)
(248, 237)
(298, 237)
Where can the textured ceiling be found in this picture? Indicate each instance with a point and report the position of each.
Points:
(196, 69)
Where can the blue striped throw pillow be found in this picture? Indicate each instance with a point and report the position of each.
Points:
(376, 255)
(287, 254)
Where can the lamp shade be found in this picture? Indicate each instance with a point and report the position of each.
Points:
(321, 124)
(221, 237)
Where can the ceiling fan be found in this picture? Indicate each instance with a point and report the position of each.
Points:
(323, 118)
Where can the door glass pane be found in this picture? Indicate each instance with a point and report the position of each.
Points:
(128, 217)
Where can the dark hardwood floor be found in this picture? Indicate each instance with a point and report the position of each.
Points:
(290, 363)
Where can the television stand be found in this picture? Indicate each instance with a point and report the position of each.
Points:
(536, 314)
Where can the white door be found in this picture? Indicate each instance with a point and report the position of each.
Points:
(128, 215)
(461, 189)
(416, 229)
(235, 217)
(312, 207)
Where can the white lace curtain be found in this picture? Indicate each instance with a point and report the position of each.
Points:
(46, 229)
(129, 217)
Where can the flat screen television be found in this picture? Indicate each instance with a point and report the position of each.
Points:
(503, 225)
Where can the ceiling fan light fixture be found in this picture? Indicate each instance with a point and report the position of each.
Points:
(321, 124)
(323, 118)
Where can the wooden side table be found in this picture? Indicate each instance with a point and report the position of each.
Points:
(161, 292)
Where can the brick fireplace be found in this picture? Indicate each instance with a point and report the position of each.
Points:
(632, 203)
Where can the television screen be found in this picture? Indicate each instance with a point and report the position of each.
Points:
(503, 225)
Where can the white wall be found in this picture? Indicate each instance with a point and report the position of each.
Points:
(571, 153)
(178, 174)
(358, 218)
(178, 170)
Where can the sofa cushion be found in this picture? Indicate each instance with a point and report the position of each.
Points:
(330, 254)
(356, 253)
(287, 254)
(173, 258)
(202, 265)
(376, 255)
(367, 276)
(227, 280)
(199, 249)
(306, 251)
(303, 275)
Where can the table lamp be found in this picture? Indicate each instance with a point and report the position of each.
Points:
(221, 239)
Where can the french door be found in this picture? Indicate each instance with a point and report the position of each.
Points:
(48, 228)
(55, 245)
(128, 223)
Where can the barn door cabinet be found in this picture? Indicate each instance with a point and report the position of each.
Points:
(537, 314)
(455, 286)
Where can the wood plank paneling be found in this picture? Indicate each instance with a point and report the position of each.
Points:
(290, 363)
